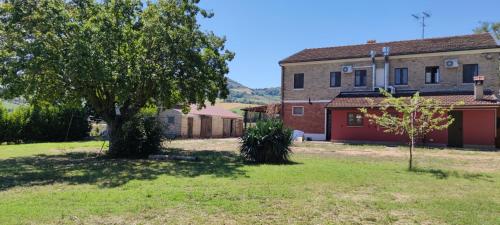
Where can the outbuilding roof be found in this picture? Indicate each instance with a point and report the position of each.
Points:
(211, 110)
(429, 45)
(353, 100)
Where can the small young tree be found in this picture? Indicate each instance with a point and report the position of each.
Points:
(413, 117)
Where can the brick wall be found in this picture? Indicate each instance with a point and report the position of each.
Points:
(317, 75)
(313, 120)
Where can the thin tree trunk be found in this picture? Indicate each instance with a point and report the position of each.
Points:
(410, 165)
(412, 140)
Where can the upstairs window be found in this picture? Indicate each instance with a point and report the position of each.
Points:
(469, 72)
(354, 119)
(432, 74)
(297, 110)
(401, 76)
(360, 78)
(298, 81)
(335, 80)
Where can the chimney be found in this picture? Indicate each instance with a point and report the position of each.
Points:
(478, 87)
(371, 41)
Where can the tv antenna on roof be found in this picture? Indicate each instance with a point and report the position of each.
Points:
(422, 16)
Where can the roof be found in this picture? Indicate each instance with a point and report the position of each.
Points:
(352, 100)
(429, 45)
(211, 110)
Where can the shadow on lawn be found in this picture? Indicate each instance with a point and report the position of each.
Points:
(443, 174)
(89, 168)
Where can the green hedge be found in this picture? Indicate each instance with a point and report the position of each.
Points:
(43, 124)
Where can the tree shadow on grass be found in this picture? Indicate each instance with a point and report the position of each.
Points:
(443, 174)
(88, 168)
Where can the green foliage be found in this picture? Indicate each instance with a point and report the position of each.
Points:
(41, 124)
(414, 117)
(268, 142)
(489, 27)
(111, 54)
(139, 137)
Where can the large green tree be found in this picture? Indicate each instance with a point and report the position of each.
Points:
(116, 55)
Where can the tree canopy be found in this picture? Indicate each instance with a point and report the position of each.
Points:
(489, 27)
(118, 56)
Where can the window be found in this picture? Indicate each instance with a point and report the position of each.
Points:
(298, 81)
(470, 71)
(432, 75)
(297, 110)
(170, 120)
(401, 76)
(335, 79)
(354, 119)
(359, 78)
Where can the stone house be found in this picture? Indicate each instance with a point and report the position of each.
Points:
(323, 88)
(208, 122)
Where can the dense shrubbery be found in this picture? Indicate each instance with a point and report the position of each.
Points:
(268, 142)
(140, 137)
(39, 124)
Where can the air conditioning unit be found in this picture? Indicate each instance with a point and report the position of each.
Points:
(451, 63)
(346, 69)
(391, 89)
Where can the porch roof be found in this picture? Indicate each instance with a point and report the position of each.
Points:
(357, 100)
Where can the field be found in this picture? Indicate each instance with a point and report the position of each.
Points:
(69, 183)
(234, 106)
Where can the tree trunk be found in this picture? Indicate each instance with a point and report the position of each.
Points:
(115, 134)
(410, 163)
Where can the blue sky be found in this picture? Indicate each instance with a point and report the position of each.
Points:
(262, 32)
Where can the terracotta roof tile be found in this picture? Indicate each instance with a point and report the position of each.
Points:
(446, 99)
(430, 45)
(210, 110)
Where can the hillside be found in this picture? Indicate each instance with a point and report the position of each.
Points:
(243, 94)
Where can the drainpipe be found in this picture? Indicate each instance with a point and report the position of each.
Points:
(374, 68)
(386, 51)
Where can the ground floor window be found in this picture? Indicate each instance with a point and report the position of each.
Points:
(354, 119)
(298, 110)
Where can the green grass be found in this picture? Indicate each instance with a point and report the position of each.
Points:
(66, 183)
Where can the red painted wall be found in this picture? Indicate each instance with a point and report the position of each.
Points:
(478, 129)
(313, 120)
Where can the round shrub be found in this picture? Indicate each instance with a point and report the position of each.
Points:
(268, 142)
(138, 137)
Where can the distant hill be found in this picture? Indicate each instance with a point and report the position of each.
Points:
(243, 94)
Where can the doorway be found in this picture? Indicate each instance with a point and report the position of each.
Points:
(206, 127)
(455, 130)
(328, 124)
(190, 127)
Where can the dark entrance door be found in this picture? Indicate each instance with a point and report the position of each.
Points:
(455, 130)
(206, 127)
(328, 125)
(190, 127)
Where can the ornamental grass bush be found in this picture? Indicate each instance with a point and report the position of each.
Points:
(268, 142)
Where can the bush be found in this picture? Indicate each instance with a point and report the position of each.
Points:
(268, 142)
(43, 124)
(139, 137)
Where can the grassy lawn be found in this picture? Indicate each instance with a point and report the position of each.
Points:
(67, 183)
